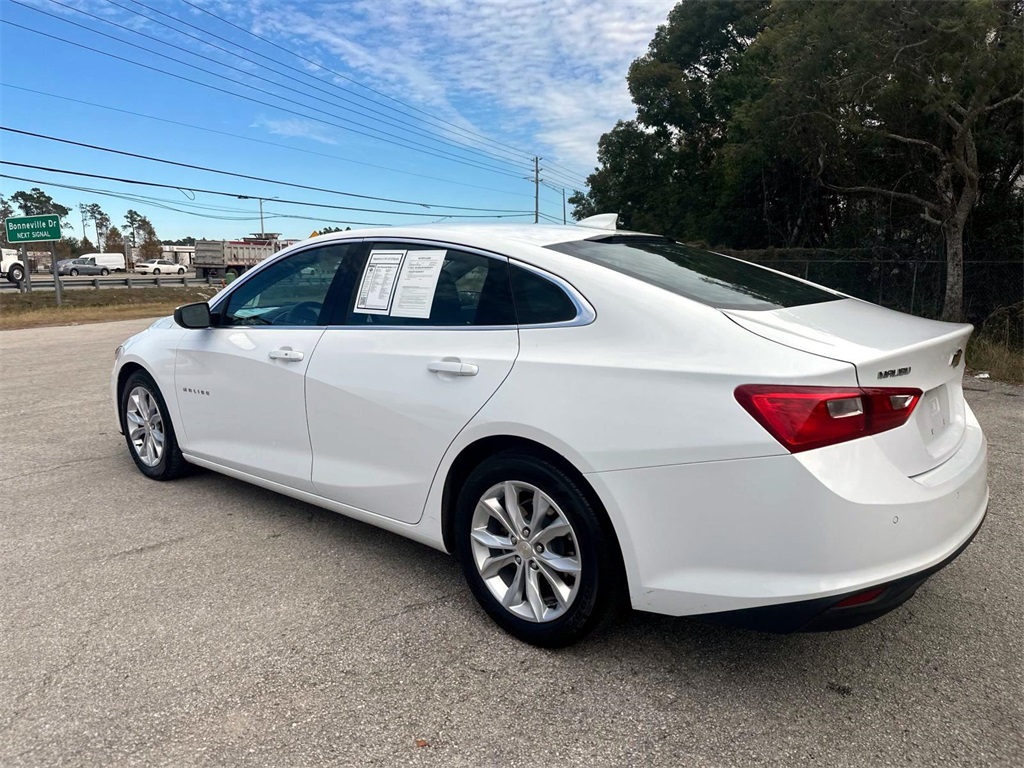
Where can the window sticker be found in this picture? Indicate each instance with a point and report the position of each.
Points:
(378, 285)
(417, 282)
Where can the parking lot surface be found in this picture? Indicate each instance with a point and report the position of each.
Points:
(209, 622)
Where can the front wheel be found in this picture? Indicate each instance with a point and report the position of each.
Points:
(104, 272)
(181, 271)
(16, 273)
(538, 556)
(148, 430)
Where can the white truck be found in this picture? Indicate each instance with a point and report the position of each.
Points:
(11, 265)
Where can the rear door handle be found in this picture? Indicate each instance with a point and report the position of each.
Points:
(453, 366)
(287, 354)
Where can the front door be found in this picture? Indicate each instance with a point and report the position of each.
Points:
(240, 385)
(428, 337)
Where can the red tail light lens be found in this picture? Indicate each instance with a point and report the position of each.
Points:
(802, 418)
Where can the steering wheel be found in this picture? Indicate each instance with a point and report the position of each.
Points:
(304, 313)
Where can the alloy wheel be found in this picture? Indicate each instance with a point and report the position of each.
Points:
(145, 426)
(526, 551)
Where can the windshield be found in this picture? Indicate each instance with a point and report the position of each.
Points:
(710, 278)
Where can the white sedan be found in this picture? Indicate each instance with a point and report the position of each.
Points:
(160, 267)
(586, 418)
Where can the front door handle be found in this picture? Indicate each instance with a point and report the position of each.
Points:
(287, 354)
(453, 366)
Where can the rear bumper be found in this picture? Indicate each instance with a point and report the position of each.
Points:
(805, 530)
(827, 614)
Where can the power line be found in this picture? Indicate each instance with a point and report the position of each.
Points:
(395, 139)
(428, 136)
(240, 195)
(208, 34)
(134, 113)
(170, 205)
(571, 172)
(248, 176)
(442, 155)
(342, 76)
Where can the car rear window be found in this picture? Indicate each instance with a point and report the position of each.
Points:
(712, 279)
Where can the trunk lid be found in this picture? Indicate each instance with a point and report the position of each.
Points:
(888, 349)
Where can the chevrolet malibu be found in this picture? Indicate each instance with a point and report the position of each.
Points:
(586, 418)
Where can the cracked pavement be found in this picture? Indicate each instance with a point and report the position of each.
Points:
(208, 622)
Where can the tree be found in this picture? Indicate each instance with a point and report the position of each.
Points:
(329, 230)
(84, 246)
(6, 211)
(132, 220)
(100, 221)
(150, 247)
(35, 202)
(902, 100)
(113, 242)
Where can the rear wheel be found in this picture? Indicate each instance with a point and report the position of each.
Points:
(73, 273)
(536, 554)
(156, 271)
(148, 430)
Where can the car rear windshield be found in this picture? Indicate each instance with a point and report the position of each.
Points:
(712, 279)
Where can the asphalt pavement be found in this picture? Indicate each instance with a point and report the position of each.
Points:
(209, 622)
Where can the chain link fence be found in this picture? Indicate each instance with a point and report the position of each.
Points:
(993, 289)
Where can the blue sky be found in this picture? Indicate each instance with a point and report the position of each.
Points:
(542, 77)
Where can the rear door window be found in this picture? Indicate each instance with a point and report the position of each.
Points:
(407, 284)
(712, 279)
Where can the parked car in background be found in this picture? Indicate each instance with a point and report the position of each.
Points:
(582, 416)
(92, 264)
(160, 267)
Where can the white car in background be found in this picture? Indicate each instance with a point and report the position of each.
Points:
(160, 267)
(583, 417)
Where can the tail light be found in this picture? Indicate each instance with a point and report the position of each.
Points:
(802, 418)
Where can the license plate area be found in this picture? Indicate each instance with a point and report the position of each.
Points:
(934, 413)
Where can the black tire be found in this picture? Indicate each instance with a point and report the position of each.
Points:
(156, 271)
(601, 588)
(171, 464)
(16, 273)
(181, 271)
(104, 272)
(73, 273)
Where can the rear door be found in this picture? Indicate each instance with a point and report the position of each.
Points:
(427, 337)
(241, 385)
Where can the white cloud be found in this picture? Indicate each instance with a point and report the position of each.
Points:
(294, 128)
(544, 75)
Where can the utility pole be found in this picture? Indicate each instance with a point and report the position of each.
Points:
(536, 190)
(81, 208)
(563, 205)
(263, 232)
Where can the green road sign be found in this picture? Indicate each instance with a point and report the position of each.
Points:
(33, 229)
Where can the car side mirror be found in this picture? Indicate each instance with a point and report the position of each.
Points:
(193, 315)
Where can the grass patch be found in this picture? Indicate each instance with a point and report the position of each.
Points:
(39, 308)
(998, 359)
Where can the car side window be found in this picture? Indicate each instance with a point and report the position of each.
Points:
(431, 286)
(538, 300)
(293, 291)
